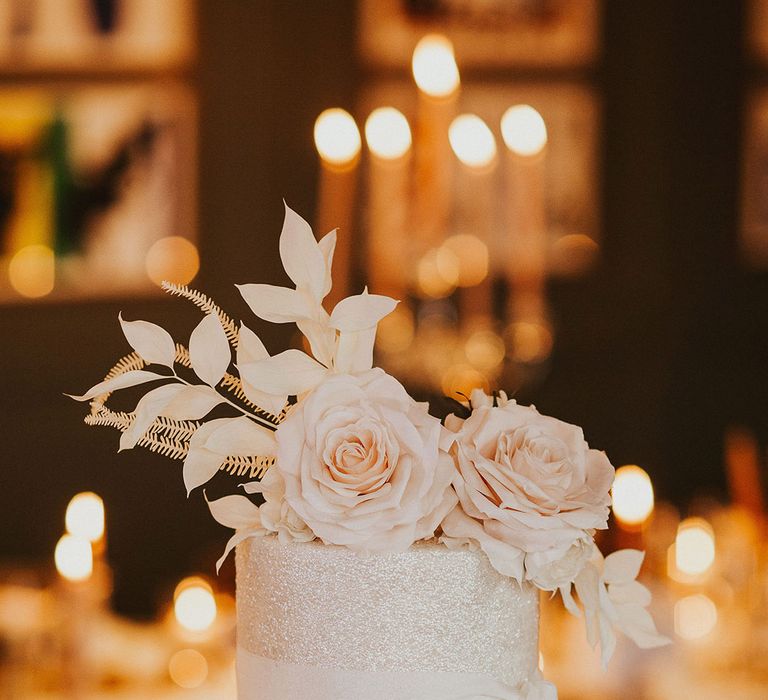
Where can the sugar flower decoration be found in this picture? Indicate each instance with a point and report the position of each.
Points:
(337, 450)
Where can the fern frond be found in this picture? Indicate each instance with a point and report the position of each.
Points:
(234, 385)
(166, 436)
(129, 363)
(206, 304)
(251, 466)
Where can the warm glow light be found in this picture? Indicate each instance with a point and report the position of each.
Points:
(524, 130)
(472, 141)
(32, 271)
(85, 517)
(531, 342)
(172, 259)
(694, 547)
(188, 668)
(194, 604)
(438, 273)
(74, 558)
(434, 66)
(632, 495)
(337, 137)
(485, 350)
(695, 616)
(459, 380)
(387, 133)
(396, 330)
(472, 255)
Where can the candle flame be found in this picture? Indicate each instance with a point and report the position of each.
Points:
(632, 495)
(85, 516)
(434, 66)
(74, 558)
(337, 137)
(694, 549)
(523, 130)
(387, 133)
(472, 141)
(194, 604)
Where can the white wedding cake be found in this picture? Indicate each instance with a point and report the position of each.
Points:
(318, 621)
(388, 555)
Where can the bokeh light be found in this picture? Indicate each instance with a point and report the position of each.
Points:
(472, 141)
(32, 271)
(73, 558)
(485, 350)
(459, 380)
(694, 549)
(396, 331)
(523, 130)
(194, 605)
(85, 516)
(695, 616)
(530, 341)
(438, 273)
(387, 133)
(472, 255)
(172, 259)
(337, 137)
(632, 495)
(188, 668)
(434, 66)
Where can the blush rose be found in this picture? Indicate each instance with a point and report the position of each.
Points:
(361, 464)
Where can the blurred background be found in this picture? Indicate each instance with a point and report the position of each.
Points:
(569, 196)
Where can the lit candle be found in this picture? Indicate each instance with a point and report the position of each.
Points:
(525, 135)
(692, 555)
(84, 518)
(437, 77)
(73, 557)
(632, 497)
(194, 605)
(388, 136)
(474, 145)
(337, 139)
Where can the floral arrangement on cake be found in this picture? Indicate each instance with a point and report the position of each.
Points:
(339, 451)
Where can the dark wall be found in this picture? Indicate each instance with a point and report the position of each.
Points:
(659, 348)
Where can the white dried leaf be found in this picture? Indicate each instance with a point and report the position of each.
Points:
(235, 511)
(201, 464)
(147, 410)
(361, 312)
(355, 351)
(251, 349)
(242, 437)
(302, 257)
(209, 350)
(275, 304)
(327, 246)
(121, 381)
(193, 402)
(291, 372)
(153, 343)
(623, 566)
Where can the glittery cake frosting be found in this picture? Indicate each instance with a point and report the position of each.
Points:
(428, 620)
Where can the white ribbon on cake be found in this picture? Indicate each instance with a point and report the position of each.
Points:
(259, 678)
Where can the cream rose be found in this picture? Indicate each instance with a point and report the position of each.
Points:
(555, 568)
(275, 513)
(526, 483)
(361, 464)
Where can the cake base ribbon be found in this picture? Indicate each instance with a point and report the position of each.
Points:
(259, 678)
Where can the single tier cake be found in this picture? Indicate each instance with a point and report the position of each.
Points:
(322, 622)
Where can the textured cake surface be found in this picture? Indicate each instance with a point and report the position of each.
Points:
(426, 609)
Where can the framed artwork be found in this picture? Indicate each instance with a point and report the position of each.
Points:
(485, 33)
(95, 35)
(96, 181)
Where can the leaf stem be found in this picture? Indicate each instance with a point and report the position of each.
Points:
(256, 417)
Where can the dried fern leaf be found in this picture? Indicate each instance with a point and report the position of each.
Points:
(206, 304)
(252, 466)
